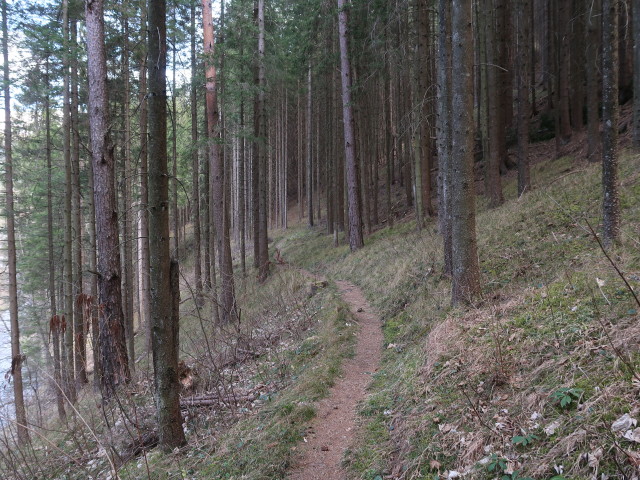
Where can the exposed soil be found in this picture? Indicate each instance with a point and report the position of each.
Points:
(332, 431)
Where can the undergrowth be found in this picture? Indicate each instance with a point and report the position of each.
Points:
(527, 382)
(263, 378)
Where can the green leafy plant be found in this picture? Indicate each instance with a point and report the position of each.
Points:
(523, 440)
(567, 397)
(497, 464)
(515, 476)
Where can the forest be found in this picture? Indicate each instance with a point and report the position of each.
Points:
(318, 239)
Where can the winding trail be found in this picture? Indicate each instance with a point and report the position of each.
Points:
(333, 429)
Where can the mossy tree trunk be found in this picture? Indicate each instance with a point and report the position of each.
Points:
(466, 272)
(164, 310)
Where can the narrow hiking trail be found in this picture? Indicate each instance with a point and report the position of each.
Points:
(333, 429)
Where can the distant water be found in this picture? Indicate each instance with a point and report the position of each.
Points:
(6, 385)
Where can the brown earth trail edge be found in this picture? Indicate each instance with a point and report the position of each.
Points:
(333, 429)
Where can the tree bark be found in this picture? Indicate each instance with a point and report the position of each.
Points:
(80, 353)
(143, 236)
(593, 66)
(55, 324)
(127, 230)
(175, 218)
(195, 161)
(636, 72)
(309, 125)
(505, 75)
(93, 267)
(113, 353)
(16, 356)
(216, 175)
(242, 192)
(423, 167)
(495, 108)
(577, 49)
(523, 64)
(387, 101)
(466, 272)
(68, 371)
(164, 307)
(610, 117)
(263, 246)
(443, 126)
(353, 194)
(564, 66)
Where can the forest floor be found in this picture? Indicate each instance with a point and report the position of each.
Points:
(538, 380)
(333, 430)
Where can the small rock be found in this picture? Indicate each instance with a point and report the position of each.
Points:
(632, 435)
(453, 474)
(551, 428)
(624, 423)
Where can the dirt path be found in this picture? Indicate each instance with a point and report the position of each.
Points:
(332, 431)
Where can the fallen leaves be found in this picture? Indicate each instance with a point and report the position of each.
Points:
(624, 427)
(551, 428)
(624, 423)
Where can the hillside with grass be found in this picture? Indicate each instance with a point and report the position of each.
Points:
(320, 240)
(538, 379)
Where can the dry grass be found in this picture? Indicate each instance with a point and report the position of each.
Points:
(462, 384)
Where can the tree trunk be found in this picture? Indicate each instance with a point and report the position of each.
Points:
(143, 236)
(55, 324)
(208, 247)
(564, 66)
(610, 117)
(263, 246)
(466, 272)
(636, 73)
(113, 353)
(299, 193)
(216, 175)
(353, 194)
(16, 356)
(504, 60)
(69, 371)
(93, 262)
(164, 285)
(387, 102)
(495, 107)
(242, 202)
(127, 233)
(423, 167)
(195, 161)
(80, 354)
(577, 64)
(443, 126)
(593, 66)
(174, 159)
(523, 62)
(309, 124)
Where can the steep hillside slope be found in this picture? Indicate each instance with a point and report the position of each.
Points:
(531, 380)
(539, 379)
